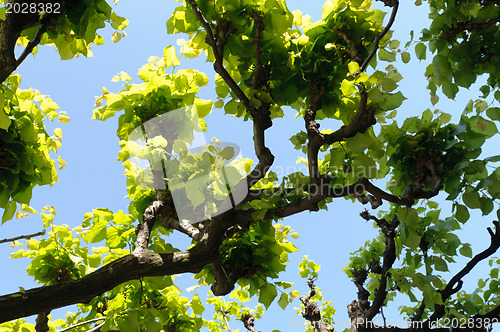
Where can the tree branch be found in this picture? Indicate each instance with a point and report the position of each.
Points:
(222, 285)
(315, 138)
(261, 120)
(83, 323)
(455, 284)
(363, 119)
(144, 229)
(394, 4)
(223, 312)
(389, 257)
(42, 322)
(249, 322)
(311, 311)
(140, 263)
(29, 236)
(10, 30)
(218, 50)
(462, 26)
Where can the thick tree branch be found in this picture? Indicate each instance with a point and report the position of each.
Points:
(223, 284)
(42, 322)
(382, 195)
(258, 73)
(144, 229)
(140, 263)
(315, 138)
(249, 322)
(260, 117)
(130, 267)
(363, 119)
(311, 311)
(389, 257)
(462, 26)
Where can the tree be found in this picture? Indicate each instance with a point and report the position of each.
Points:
(268, 62)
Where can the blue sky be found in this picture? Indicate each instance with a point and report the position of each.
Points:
(95, 179)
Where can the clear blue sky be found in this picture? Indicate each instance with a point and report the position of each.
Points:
(95, 179)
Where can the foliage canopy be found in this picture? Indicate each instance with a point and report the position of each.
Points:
(269, 63)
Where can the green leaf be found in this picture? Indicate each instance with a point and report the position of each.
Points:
(9, 211)
(196, 305)
(413, 239)
(347, 88)
(283, 301)
(389, 85)
(267, 294)
(420, 50)
(493, 113)
(462, 213)
(4, 120)
(434, 100)
(440, 264)
(466, 250)
(392, 101)
(486, 205)
(410, 217)
(405, 57)
(97, 232)
(359, 143)
(47, 219)
(471, 199)
(353, 67)
(203, 107)
(364, 166)
(449, 89)
(385, 55)
(170, 56)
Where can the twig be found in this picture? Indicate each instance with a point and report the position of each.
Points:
(379, 37)
(218, 65)
(223, 312)
(31, 45)
(29, 236)
(84, 323)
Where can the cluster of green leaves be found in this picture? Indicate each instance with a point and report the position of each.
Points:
(224, 310)
(75, 30)
(152, 303)
(252, 258)
(464, 38)
(295, 52)
(159, 94)
(57, 258)
(25, 145)
(308, 269)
